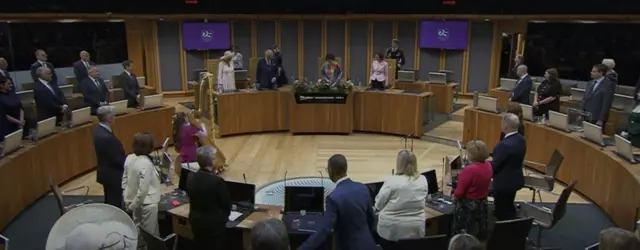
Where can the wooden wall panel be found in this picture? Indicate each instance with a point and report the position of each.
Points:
(134, 30)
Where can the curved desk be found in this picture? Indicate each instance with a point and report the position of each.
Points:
(65, 155)
(391, 112)
(251, 112)
(609, 181)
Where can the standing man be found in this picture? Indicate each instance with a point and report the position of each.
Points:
(349, 212)
(522, 92)
(598, 96)
(94, 90)
(129, 84)
(41, 57)
(277, 61)
(266, 71)
(508, 157)
(5, 73)
(396, 53)
(513, 73)
(49, 99)
(210, 202)
(110, 155)
(81, 68)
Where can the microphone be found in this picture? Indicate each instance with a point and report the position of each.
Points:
(285, 178)
(405, 142)
(245, 178)
(393, 171)
(411, 135)
(321, 176)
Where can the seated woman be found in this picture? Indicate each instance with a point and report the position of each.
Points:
(11, 107)
(514, 108)
(401, 202)
(470, 196)
(331, 71)
(631, 130)
(548, 94)
(379, 74)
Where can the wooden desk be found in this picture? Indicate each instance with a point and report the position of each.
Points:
(442, 93)
(616, 117)
(320, 117)
(65, 155)
(251, 112)
(604, 178)
(391, 112)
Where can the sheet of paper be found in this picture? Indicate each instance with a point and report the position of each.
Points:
(234, 215)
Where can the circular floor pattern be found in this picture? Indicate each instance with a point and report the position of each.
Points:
(273, 193)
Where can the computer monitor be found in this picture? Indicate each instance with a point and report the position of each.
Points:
(488, 104)
(45, 128)
(624, 149)
(374, 189)
(80, 116)
(508, 84)
(67, 90)
(120, 107)
(12, 142)
(151, 101)
(432, 181)
(527, 112)
(592, 132)
(142, 81)
(310, 199)
(26, 96)
(242, 192)
(577, 94)
(558, 120)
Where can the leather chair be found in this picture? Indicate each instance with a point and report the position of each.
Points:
(435, 242)
(510, 234)
(545, 218)
(153, 242)
(4, 242)
(59, 195)
(593, 247)
(546, 182)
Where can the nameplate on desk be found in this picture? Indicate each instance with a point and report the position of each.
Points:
(321, 98)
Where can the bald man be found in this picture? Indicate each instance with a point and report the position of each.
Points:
(94, 90)
(50, 101)
(508, 157)
(522, 91)
(81, 67)
(42, 57)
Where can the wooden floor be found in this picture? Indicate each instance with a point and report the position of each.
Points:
(265, 158)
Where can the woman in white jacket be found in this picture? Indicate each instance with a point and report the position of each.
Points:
(400, 202)
(141, 184)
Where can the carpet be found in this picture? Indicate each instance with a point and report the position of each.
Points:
(189, 105)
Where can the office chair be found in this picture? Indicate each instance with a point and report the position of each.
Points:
(153, 242)
(510, 234)
(547, 181)
(4, 242)
(59, 195)
(435, 242)
(545, 218)
(593, 247)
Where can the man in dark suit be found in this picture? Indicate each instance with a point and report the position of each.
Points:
(81, 68)
(210, 202)
(349, 212)
(49, 99)
(522, 92)
(4, 72)
(42, 62)
(110, 155)
(394, 52)
(94, 90)
(267, 71)
(129, 83)
(508, 157)
(598, 96)
(281, 78)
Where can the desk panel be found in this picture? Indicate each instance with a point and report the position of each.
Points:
(391, 112)
(252, 112)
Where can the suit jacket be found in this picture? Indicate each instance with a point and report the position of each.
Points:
(265, 72)
(34, 70)
(48, 103)
(81, 71)
(522, 92)
(598, 102)
(508, 157)
(131, 88)
(92, 94)
(209, 198)
(110, 155)
(349, 213)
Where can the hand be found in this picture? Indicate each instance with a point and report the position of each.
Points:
(21, 123)
(509, 99)
(535, 104)
(624, 134)
(599, 123)
(273, 80)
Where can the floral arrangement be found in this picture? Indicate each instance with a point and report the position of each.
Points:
(322, 86)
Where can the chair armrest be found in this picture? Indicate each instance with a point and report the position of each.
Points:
(78, 188)
(170, 236)
(541, 215)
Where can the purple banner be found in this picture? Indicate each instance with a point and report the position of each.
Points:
(205, 36)
(444, 34)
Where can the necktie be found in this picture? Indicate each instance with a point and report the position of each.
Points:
(96, 82)
(86, 64)
(595, 85)
(43, 64)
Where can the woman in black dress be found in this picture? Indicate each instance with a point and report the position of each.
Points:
(548, 94)
(13, 119)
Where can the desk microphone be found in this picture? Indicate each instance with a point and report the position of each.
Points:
(405, 142)
(285, 178)
(321, 178)
(411, 136)
(245, 178)
(393, 171)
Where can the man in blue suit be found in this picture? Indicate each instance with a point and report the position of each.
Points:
(267, 71)
(522, 92)
(508, 157)
(349, 212)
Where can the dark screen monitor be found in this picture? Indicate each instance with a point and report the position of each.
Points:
(432, 181)
(241, 192)
(310, 199)
(374, 189)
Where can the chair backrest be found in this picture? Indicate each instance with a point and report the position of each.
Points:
(57, 194)
(152, 242)
(510, 234)
(593, 247)
(554, 163)
(4, 242)
(435, 242)
(561, 206)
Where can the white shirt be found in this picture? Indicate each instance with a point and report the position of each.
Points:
(341, 180)
(128, 73)
(46, 84)
(401, 204)
(596, 83)
(43, 63)
(140, 181)
(509, 134)
(107, 127)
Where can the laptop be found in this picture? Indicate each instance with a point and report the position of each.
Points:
(242, 194)
(26, 96)
(625, 150)
(120, 107)
(80, 116)
(488, 104)
(432, 181)
(67, 90)
(142, 81)
(45, 128)
(558, 121)
(577, 94)
(309, 199)
(507, 84)
(151, 101)
(12, 142)
(527, 112)
(374, 189)
(593, 133)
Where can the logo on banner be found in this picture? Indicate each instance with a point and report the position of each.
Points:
(206, 35)
(443, 34)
